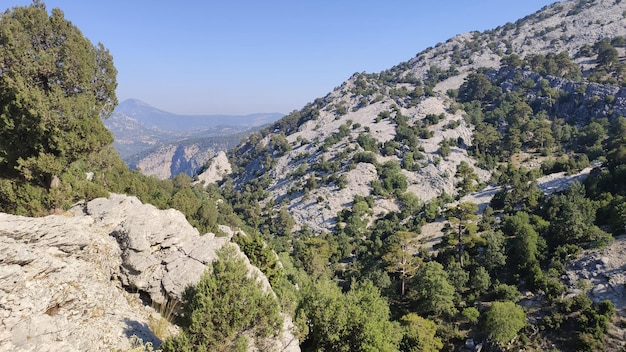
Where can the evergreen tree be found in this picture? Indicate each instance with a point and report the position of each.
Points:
(399, 257)
(224, 309)
(461, 216)
(356, 321)
(503, 321)
(431, 291)
(419, 334)
(55, 87)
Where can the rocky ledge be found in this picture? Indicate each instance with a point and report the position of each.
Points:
(76, 281)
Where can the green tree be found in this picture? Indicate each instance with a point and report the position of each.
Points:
(283, 223)
(503, 321)
(471, 314)
(607, 54)
(457, 276)
(475, 87)
(540, 130)
(485, 136)
(494, 255)
(313, 254)
(55, 88)
(461, 216)
(431, 291)
(480, 280)
(524, 247)
(224, 308)
(469, 180)
(392, 180)
(185, 201)
(399, 257)
(419, 334)
(356, 321)
(572, 218)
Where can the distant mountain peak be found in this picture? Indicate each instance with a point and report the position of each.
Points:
(168, 121)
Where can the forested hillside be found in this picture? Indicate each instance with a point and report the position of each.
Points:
(336, 198)
(343, 188)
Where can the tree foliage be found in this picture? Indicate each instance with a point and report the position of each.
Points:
(431, 291)
(503, 321)
(355, 321)
(461, 218)
(55, 87)
(399, 257)
(419, 334)
(224, 308)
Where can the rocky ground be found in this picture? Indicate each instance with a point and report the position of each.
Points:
(80, 281)
(603, 273)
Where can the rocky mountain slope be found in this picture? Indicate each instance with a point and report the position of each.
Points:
(328, 140)
(84, 280)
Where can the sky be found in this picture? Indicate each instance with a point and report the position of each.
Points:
(249, 56)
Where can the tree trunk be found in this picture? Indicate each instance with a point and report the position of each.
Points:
(460, 245)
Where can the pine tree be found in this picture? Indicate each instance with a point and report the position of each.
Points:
(461, 216)
(399, 257)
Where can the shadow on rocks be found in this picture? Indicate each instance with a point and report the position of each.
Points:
(142, 331)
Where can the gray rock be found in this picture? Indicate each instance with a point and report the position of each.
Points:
(63, 278)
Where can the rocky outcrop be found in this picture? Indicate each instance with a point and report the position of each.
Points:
(169, 160)
(73, 282)
(600, 273)
(57, 291)
(603, 270)
(217, 169)
(161, 253)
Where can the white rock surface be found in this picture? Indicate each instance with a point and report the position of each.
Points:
(65, 279)
(218, 168)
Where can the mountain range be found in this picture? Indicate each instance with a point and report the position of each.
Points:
(164, 144)
(151, 116)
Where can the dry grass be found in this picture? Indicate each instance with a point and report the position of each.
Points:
(160, 325)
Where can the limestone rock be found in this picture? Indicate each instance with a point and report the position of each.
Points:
(65, 279)
(218, 168)
(56, 287)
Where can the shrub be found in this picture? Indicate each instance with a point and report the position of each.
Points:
(224, 308)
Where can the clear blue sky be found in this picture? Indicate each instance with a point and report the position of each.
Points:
(246, 56)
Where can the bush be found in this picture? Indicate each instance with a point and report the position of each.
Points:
(224, 308)
(504, 292)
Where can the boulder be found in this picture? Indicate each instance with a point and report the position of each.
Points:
(56, 287)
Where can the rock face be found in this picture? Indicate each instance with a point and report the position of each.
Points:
(161, 252)
(56, 287)
(602, 272)
(169, 160)
(65, 280)
(217, 169)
